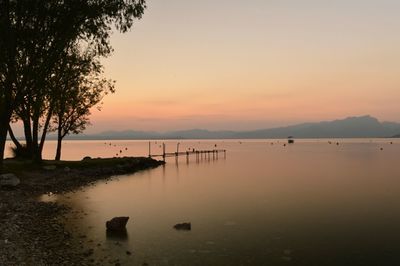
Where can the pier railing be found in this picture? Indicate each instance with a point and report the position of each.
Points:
(200, 154)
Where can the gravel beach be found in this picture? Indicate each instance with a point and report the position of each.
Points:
(33, 232)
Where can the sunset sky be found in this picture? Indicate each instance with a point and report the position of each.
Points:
(254, 64)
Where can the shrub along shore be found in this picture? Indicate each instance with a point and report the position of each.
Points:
(32, 232)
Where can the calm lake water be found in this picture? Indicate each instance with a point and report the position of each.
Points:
(310, 203)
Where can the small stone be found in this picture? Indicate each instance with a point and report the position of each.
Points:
(183, 226)
(88, 253)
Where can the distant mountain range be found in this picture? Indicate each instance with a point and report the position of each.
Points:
(351, 127)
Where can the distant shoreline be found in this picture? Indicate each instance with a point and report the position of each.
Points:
(194, 139)
(351, 127)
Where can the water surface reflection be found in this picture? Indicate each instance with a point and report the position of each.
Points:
(310, 203)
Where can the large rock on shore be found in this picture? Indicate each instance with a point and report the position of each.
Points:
(117, 223)
(9, 180)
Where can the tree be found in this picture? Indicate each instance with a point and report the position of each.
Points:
(8, 90)
(81, 87)
(34, 36)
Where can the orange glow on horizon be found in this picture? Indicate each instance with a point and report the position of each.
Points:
(253, 65)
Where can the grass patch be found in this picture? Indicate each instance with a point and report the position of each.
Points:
(18, 166)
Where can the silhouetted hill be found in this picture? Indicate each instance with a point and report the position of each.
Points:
(351, 127)
(199, 134)
(127, 134)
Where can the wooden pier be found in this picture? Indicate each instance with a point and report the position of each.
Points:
(200, 154)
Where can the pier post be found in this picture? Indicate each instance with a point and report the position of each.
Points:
(163, 145)
(149, 149)
(200, 154)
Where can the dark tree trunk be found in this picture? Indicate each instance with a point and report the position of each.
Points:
(3, 138)
(59, 143)
(13, 138)
(5, 116)
(45, 128)
(28, 135)
(58, 152)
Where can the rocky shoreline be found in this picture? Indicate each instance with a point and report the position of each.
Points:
(33, 232)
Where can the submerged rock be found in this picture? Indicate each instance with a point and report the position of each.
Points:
(117, 224)
(183, 226)
(9, 180)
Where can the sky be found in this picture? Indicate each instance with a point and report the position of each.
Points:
(253, 64)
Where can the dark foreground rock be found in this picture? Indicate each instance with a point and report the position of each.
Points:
(9, 180)
(117, 224)
(33, 232)
(183, 226)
